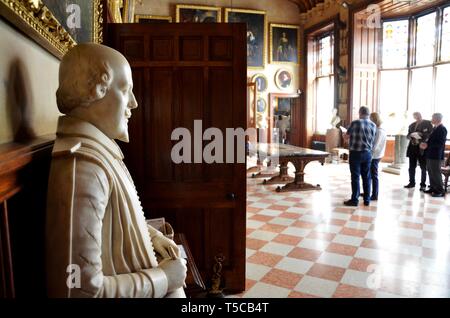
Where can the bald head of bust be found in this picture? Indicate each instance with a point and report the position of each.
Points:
(95, 85)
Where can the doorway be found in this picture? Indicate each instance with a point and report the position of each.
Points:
(284, 118)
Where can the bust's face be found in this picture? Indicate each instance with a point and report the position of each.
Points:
(113, 111)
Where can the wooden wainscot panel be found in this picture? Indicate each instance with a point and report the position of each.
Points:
(23, 189)
(162, 48)
(191, 48)
(133, 47)
(220, 48)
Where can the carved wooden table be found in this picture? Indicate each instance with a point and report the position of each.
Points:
(195, 287)
(299, 157)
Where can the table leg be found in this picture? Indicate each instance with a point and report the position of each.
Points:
(299, 184)
(270, 172)
(283, 177)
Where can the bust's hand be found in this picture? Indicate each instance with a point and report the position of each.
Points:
(161, 245)
(175, 271)
(423, 145)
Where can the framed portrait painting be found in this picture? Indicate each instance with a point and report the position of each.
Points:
(81, 18)
(197, 14)
(256, 33)
(261, 82)
(143, 18)
(261, 105)
(283, 79)
(284, 43)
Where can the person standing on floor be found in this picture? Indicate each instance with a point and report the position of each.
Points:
(418, 131)
(434, 152)
(362, 135)
(379, 146)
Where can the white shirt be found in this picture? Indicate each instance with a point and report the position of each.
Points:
(379, 144)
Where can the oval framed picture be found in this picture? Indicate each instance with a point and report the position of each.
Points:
(261, 82)
(261, 105)
(283, 79)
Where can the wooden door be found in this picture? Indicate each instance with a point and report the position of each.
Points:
(182, 73)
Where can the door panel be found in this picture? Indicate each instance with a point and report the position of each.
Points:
(184, 73)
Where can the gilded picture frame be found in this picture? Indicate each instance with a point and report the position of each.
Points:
(90, 18)
(197, 13)
(256, 34)
(284, 79)
(284, 44)
(148, 18)
(38, 22)
(261, 82)
(129, 7)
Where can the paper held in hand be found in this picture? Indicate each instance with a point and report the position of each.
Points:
(343, 129)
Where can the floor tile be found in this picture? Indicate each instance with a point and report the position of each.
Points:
(263, 290)
(266, 259)
(277, 248)
(294, 265)
(282, 278)
(316, 286)
(326, 272)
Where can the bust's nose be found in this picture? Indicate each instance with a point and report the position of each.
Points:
(133, 102)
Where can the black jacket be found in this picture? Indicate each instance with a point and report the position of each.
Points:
(436, 143)
(424, 129)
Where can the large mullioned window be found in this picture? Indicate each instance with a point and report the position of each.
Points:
(415, 65)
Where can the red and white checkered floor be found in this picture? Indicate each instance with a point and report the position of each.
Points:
(308, 244)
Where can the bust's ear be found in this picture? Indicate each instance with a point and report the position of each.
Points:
(100, 90)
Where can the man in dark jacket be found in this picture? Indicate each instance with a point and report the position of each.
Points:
(434, 152)
(417, 132)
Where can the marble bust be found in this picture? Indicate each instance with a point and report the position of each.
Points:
(335, 119)
(98, 243)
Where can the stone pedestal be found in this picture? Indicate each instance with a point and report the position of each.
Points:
(401, 144)
(332, 139)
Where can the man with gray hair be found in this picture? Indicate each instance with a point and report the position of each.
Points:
(362, 135)
(418, 131)
(434, 152)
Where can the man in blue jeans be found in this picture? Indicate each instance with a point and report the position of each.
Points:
(362, 135)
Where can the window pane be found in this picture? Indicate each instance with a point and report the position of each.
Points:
(443, 92)
(395, 44)
(393, 93)
(325, 56)
(325, 103)
(421, 91)
(426, 35)
(445, 50)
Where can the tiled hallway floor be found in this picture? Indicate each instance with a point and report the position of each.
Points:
(308, 244)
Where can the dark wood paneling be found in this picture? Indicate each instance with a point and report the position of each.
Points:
(133, 48)
(191, 48)
(159, 122)
(162, 49)
(204, 79)
(220, 48)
